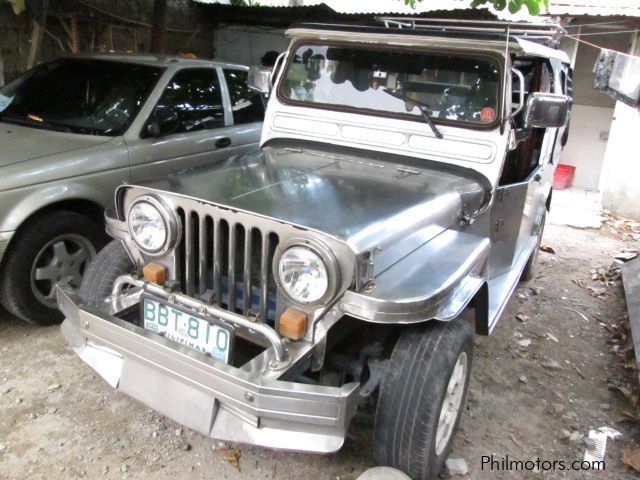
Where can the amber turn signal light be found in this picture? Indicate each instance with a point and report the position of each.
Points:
(155, 273)
(293, 324)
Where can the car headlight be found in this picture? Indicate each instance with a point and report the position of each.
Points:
(306, 271)
(148, 226)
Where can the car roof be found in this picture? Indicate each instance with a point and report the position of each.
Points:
(157, 60)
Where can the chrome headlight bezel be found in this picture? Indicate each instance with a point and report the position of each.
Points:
(168, 217)
(328, 259)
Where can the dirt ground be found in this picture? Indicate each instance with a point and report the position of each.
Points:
(58, 420)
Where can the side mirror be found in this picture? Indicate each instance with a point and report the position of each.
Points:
(164, 121)
(260, 79)
(546, 110)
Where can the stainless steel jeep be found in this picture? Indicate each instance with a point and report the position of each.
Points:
(399, 197)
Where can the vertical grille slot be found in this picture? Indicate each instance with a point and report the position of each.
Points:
(231, 259)
(231, 270)
(246, 273)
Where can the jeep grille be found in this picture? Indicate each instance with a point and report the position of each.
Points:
(220, 260)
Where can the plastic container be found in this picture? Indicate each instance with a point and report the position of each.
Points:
(563, 177)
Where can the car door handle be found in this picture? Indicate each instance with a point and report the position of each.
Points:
(223, 142)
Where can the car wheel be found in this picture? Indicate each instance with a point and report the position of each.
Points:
(530, 268)
(422, 397)
(50, 249)
(112, 262)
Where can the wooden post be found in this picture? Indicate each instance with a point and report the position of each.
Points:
(36, 34)
(75, 47)
(1, 70)
(36, 38)
(159, 26)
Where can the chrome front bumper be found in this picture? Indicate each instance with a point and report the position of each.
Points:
(245, 405)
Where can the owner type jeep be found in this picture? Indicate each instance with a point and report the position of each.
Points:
(398, 198)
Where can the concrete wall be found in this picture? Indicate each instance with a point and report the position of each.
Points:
(587, 144)
(621, 172)
(621, 182)
(246, 44)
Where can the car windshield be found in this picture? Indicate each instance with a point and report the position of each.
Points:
(96, 97)
(446, 87)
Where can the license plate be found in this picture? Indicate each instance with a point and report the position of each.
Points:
(182, 327)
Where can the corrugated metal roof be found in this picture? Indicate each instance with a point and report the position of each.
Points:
(630, 8)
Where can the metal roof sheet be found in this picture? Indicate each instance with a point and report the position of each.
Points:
(630, 8)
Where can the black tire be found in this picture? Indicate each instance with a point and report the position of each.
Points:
(530, 268)
(112, 262)
(412, 394)
(22, 294)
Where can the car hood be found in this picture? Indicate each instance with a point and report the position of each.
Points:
(19, 143)
(372, 204)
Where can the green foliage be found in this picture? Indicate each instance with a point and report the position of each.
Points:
(17, 5)
(535, 7)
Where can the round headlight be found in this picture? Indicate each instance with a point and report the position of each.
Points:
(303, 275)
(147, 226)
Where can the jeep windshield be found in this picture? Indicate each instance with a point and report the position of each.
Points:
(450, 88)
(89, 96)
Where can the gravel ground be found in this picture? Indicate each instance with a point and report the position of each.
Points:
(537, 388)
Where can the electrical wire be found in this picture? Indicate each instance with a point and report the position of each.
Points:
(616, 32)
(128, 20)
(577, 39)
(617, 22)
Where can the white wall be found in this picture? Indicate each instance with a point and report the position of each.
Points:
(621, 180)
(587, 144)
(247, 45)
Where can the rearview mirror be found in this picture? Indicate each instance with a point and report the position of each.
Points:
(546, 110)
(164, 121)
(260, 79)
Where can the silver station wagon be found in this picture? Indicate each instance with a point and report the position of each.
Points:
(73, 129)
(399, 196)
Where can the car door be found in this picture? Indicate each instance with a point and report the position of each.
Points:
(197, 127)
(246, 107)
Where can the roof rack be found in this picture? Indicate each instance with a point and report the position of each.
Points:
(546, 33)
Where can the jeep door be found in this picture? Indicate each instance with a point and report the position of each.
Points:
(192, 123)
(526, 180)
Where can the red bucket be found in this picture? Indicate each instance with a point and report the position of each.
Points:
(563, 177)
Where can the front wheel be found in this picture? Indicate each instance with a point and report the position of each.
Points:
(112, 262)
(422, 397)
(50, 249)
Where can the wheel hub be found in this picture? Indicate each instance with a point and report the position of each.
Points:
(452, 403)
(61, 260)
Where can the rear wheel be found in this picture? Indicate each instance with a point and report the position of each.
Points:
(422, 397)
(50, 249)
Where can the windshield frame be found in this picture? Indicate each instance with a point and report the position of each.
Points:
(161, 69)
(495, 58)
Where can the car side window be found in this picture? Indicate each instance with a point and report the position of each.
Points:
(247, 106)
(194, 95)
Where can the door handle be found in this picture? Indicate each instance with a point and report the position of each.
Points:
(223, 142)
(537, 178)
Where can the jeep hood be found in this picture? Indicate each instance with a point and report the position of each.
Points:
(19, 143)
(372, 204)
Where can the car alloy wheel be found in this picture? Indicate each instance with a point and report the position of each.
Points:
(62, 260)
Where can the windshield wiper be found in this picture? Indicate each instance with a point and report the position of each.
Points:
(30, 122)
(424, 108)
